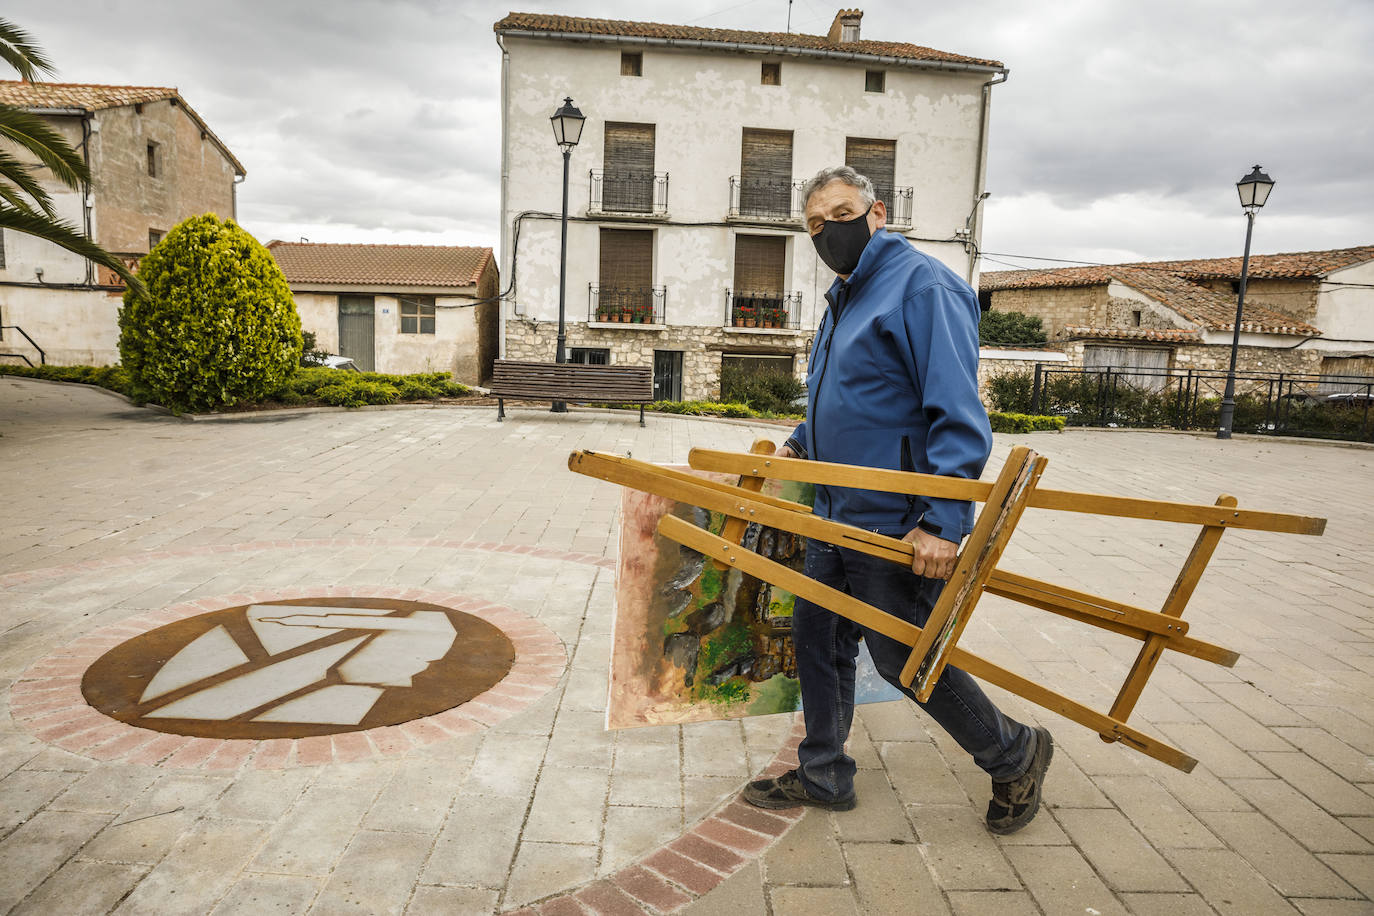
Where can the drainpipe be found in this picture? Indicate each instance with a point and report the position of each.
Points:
(86, 191)
(234, 196)
(972, 233)
(506, 258)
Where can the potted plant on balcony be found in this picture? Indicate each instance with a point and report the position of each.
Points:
(746, 316)
(642, 314)
(603, 313)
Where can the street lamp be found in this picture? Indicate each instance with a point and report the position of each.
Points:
(1254, 191)
(567, 130)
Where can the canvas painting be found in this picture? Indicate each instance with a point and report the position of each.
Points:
(692, 642)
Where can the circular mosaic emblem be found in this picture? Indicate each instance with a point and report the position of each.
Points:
(299, 668)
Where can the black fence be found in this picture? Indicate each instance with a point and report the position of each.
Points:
(765, 199)
(762, 309)
(629, 192)
(1279, 403)
(626, 304)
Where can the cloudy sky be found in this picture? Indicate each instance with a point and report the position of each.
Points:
(1120, 134)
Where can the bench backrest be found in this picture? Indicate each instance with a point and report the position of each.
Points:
(572, 382)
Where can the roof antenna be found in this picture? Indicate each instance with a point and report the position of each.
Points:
(789, 17)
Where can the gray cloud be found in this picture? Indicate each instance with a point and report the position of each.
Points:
(1120, 133)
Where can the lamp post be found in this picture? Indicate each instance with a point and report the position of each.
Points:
(567, 130)
(1254, 191)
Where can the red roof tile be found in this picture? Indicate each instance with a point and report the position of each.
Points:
(91, 97)
(1208, 309)
(1178, 335)
(380, 265)
(542, 22)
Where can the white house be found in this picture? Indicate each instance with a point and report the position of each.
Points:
(153, 161)
(397, 308)
(686, 248)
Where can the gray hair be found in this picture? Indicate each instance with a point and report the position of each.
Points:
(839, 173)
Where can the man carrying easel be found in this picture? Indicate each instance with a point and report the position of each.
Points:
(893, 382)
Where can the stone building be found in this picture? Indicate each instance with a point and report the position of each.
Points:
(397, 308)
(1307, 312)
(686, 248)
(153, 161)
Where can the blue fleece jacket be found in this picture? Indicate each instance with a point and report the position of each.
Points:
(893, 383)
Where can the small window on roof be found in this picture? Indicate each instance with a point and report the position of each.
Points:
(875, 80)
(772, 73)
(631, 63)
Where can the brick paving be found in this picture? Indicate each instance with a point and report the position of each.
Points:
(117, 518)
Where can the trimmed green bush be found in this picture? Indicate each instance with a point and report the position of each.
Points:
(219, 326)
(766, 392)
(114, 378)
(1010, 392)
(1024, 423)
(1010, 329)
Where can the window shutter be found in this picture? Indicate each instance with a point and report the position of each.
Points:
(759, 263)
(767, 155)
(876, 160)
(629, 148)
(627, 258)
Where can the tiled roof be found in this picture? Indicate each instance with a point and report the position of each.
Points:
(1178, 335)
(542, 22)
(90, 97)
(380, 265)
(1205, 308)
(1296, 265)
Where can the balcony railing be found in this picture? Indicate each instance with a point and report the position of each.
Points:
(636, 193)
(770, 199)
(626, 304)
(898, 201)
(762, 309)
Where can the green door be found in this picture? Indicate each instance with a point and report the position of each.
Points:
(357, 325)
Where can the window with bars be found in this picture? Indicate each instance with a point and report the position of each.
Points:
(628, 177)
(590, 356)
(626, 276)
(631, 63)
(765, 172)
(772, 73)
(876, 160)
(417, 314)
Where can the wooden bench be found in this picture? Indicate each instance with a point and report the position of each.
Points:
(571, 382)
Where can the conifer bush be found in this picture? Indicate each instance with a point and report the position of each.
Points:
(218, 326)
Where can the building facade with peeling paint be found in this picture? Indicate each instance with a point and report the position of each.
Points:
(686, 248)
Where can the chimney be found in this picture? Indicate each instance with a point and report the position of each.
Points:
(845, 28)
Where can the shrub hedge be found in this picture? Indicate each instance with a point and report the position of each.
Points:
(767, 392)
(218, 326)
(1023, 423)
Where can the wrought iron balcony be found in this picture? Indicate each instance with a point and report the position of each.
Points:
(898, 201)
(768, 309)
(626, 304)
(629, 192)
(768, 199)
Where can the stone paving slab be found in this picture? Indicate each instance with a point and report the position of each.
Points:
(116, 515)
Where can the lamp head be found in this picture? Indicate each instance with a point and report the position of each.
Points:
(567, 125)
(1254, 189)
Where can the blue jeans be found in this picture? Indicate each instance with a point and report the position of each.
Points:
(827, 645)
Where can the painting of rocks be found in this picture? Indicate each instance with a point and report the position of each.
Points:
(693, 642)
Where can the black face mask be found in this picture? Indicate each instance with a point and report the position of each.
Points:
(841, 243)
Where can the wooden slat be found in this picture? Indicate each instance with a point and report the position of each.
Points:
(977, 562)
(880, 621)
(1174, 605)
(734, 528)
(844, 475)
(572, 382)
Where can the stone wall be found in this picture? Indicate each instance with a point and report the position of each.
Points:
(1248, 359)
(1056, 306)
(1121, 314)
(632, 345)
(1292, 297)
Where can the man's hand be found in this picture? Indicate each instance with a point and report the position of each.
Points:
(934, 557)
(784, 452)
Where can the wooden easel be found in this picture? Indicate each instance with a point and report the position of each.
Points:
(936, 644)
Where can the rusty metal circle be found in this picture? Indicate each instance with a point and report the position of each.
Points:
(299, 667)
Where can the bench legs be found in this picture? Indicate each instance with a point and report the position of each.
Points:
(641, 414)
(500, 409)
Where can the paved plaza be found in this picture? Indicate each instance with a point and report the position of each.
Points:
(119, 521)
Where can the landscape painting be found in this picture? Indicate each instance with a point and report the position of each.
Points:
(692, 642)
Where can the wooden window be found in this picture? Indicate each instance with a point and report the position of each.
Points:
(766, 173)
(772, 73)
(152, 160)
(155, 236)
(760, 262)
(626, 272)
(590, 356)
(631, 63)
(628, 178)
(875, 80)
(874, 159)
(417, 314)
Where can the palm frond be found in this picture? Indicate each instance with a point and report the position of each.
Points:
(20, 174)
(17, 49)
(65, 235)
(49, 147)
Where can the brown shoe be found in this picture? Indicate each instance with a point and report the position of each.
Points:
(787, 791)
(1014, 803)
